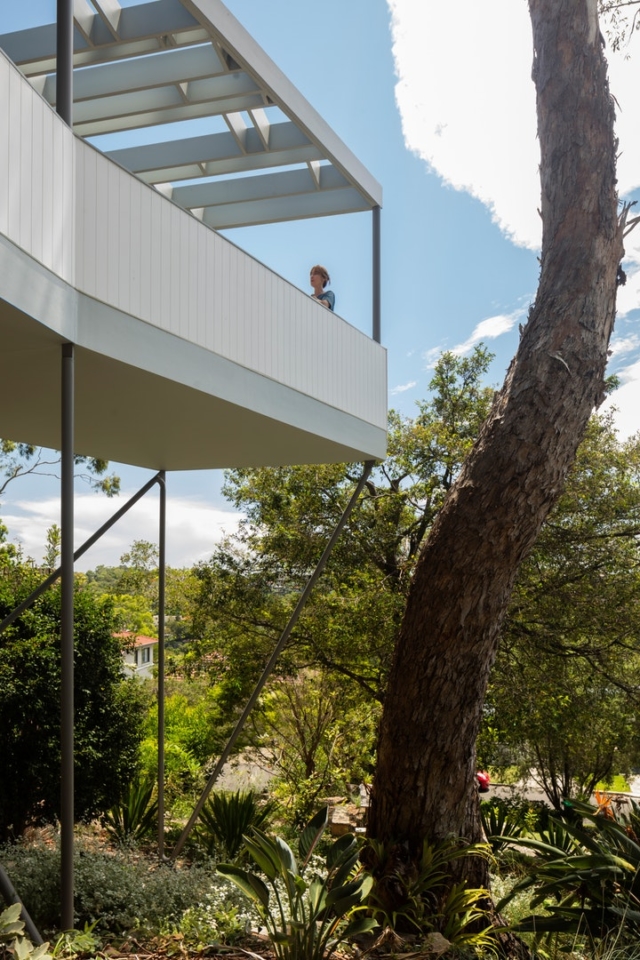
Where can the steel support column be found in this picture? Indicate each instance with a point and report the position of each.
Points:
(64, 61)
(162, 551)
(66, 636)
(377, 323)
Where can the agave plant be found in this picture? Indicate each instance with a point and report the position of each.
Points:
(306, 918)
(134, 817)
(227, 817)
(592, 889)
(499, 823)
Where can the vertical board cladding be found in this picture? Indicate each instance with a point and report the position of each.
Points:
(159, 263)
(37, 175)
(119, 241)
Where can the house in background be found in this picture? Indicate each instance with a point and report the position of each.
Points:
(137, 654)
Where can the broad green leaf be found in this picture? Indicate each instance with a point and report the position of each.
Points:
(312, 833)
(342, 848)
(317, 895)
(287, 858)
(263, 856)
(249, 883)
(10, 915)
(359, 926)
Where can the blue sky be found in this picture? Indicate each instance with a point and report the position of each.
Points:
(443, 115)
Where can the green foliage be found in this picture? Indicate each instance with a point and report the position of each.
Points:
(72, 943)
(349, 627)
(421, 898)
(499, 823)
(22, 459)
(13, 939)
(133, 613)
(140, 574)
(194, 727)
(563, 695)
(318, 735)
(54, 540)
(108, 708)
(118, 892)
(305, 918)
(226, 817)
(594, 887)
(135, 815)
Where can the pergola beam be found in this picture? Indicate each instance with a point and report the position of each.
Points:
(270, 186)
(179, 65)
(285, 140)
(327, 203)
(165, 62)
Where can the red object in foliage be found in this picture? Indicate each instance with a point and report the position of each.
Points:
(483, 781)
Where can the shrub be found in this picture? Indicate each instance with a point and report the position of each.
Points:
(108, 710)
(226, 817)
(119, 893)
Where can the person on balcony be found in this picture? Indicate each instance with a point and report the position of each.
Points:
(319, 280)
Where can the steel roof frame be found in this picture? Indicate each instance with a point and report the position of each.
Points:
(165, 61)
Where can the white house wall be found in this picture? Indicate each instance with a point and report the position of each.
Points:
(37, 178)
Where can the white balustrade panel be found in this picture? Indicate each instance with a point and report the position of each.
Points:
(37, 175)
(118, 240)
(142, 254)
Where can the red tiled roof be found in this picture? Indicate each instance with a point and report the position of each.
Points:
(138, 639)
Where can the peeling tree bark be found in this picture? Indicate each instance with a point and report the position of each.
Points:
(425, 783)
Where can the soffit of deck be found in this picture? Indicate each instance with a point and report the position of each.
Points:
(166, 61)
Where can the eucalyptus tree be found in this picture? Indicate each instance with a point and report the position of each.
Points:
(425, 784)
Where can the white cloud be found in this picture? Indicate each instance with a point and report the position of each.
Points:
(193, 527)
(488, 329)
(467, 104)
(626, 401)
(431, 356)
(403, 387)
(623, 345)
(628, 298)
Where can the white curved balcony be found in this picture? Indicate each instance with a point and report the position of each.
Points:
(189, 352)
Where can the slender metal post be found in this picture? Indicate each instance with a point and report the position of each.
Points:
(8, 892)
(377, 324)
(64, 61)
(66, 636)
(284, 636)
(161, 605)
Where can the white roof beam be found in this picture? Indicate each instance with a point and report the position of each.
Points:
(173, 66)
(244, 49)
(145, 20)
(285, 184)
(110, 11)
(262, 125)
(239, 129)
(314, 167)
(299, 207)
(191, 111)
(84, 15)
(237, 164)
(215, 146)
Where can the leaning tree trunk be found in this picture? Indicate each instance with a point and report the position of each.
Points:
(425, 784)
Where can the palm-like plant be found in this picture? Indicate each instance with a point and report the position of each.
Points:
(134, 817)
(305, 918)
(227, 817)
(592, 889)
